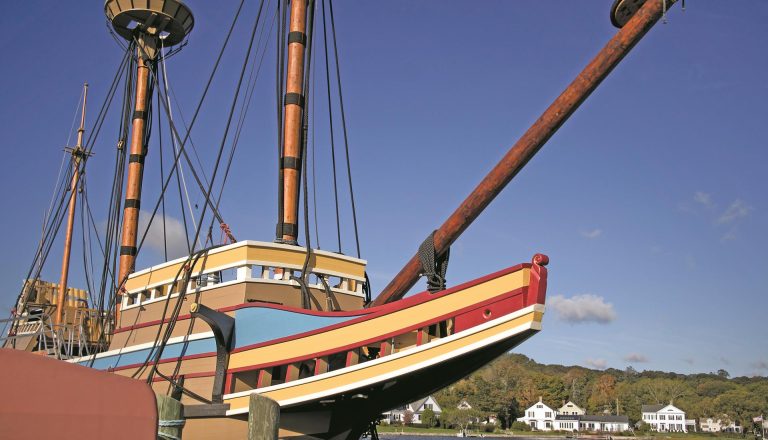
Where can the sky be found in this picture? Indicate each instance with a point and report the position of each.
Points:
(650, 201)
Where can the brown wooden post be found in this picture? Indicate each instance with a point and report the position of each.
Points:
(293, 104)
(291, 372)
(353, 357)
(321, 365)
(146, 52)
(77, 154)
(422, 337)
(530, 143)
(385, 348)
(169, 417)
(263, 418)
(265, 378)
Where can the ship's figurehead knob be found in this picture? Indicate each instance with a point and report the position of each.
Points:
(167, 20)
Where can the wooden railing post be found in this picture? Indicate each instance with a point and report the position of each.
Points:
(263, 418)
(170, 420)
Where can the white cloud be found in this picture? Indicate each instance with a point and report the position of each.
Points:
(599, 364)
(175, 236)
(704, 199)
(738, 209)
(582, 308)
(636, 357)
(592, 234)
(729, 235)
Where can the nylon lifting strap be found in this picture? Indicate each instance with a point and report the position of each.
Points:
(434, 266)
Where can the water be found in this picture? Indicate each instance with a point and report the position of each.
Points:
(395, 435)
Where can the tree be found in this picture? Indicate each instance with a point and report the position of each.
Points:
(460, 418)
(407, 417)
(724, 374)
(603, 393)
(428, 418)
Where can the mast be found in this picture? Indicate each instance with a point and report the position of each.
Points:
(293, 104)
(77, 154)
(169, 21)
(538, 134)
(146, 51)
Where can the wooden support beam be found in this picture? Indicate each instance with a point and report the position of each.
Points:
(422, 337)
(386, 348)
(353, 357)
(321, 365)
(291, 372)
(265, 378)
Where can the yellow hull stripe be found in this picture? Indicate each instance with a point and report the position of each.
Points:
(389, 368)
(384, 324)
(251, 252)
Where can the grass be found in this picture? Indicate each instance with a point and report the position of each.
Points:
(415, 430)
(383, 429)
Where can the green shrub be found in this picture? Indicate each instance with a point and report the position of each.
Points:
(520, 426)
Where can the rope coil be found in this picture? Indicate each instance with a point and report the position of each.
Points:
(434, 266)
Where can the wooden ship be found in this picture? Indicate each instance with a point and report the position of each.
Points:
(284, 320)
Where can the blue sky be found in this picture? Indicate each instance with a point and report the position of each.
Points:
(650, 200)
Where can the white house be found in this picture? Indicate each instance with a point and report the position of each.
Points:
(539, 416)
(571, 409)
(417, 408)
(464, 405)
(710, 425)
(664, 418)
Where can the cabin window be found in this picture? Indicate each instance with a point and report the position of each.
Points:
(144, 296)
(131, 300)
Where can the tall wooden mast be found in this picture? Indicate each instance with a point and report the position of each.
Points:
(634, 25)
(147, 24)
(293, 104)
(77, 154)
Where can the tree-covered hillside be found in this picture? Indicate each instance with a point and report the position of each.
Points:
(513, 382)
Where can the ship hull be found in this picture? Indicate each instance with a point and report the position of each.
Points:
(332, 373)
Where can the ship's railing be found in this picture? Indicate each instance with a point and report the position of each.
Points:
(25, 327)
(62, 341)
(250, 261)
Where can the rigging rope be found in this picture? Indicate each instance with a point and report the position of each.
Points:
(330, 121)
(305, 295)
(249, 91)
(158, 349)
(180, 180)
(343, 124)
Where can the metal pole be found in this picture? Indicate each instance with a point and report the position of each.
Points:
(146, 51)
(530, 143)
(293, 103)
(77, 154)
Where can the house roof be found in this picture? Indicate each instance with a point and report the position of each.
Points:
(604, 419)
(566, 417)
(651, 408)
(570, 404)
(417, 404)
